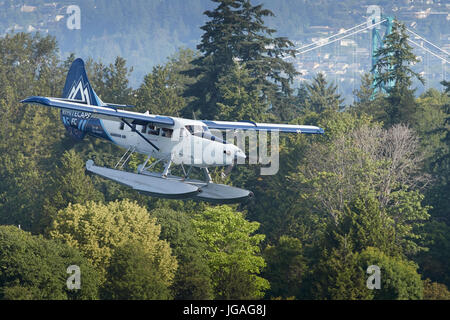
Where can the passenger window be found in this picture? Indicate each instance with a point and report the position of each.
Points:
(144, 128)
(167, 132)
(153, 130)
(122, 125)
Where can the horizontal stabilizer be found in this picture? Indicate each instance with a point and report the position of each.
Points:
(115, 106)
(99, 111)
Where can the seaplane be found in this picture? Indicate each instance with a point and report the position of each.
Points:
(163, 139)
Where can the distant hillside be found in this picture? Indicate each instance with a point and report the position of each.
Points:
(145, 32)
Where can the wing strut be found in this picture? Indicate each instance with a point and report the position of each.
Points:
(140, 134)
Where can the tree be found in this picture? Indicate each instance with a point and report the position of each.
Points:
(365, 161)
(160, 92)
(34, 268)
(322, 96)
(286, 268)
(366, 101)
(341, 274)
(399, 277)
(429, 123)
(394, 68)
(97, 230)
(440, 164)
(236, 101)
(337, 275)
(116, 83)
(236, 32)
(29, 65)
(435, 291)
(232, 252)
(69, 184)
(433, 263)
(367, 225)
(162, 89)
(134, 274)
(193, 277)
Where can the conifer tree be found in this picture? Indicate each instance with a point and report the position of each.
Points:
(322, 96)
(236, 32)
(394, 67)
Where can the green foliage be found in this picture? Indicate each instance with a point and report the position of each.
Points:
(111, 82)
(236, 31)
(28, 66)
(434, 262)
(34, 268)
(161, 90)
(97, 230)
(367, 102)
(236, 101)
(435, 291)
(338, 275)
(322, 96)
(232, 252)
(367, 226)
(286, 268)
(159, 94)
(394, 70)
(365, 161)
(134, 274)
(193, 277)
(69, 184)
(399, 277)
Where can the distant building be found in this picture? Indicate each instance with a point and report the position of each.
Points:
(348, 43)
(27, 9)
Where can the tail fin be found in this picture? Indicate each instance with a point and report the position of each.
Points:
(78, 87)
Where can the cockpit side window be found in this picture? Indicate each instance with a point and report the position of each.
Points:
(190, 129)
(167, 132)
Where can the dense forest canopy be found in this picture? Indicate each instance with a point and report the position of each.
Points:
(373, 190)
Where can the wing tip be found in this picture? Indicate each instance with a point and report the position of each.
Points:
(36, 99)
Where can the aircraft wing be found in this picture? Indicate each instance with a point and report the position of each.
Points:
(250, 125)
(88, 111)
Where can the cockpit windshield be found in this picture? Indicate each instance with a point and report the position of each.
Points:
(197, 130)
(203, 132)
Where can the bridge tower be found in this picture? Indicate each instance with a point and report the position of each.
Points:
(377, 43)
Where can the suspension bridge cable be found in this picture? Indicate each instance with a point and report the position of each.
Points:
(428, 42)
(329, 42)
(429, 51)
(335, 35)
